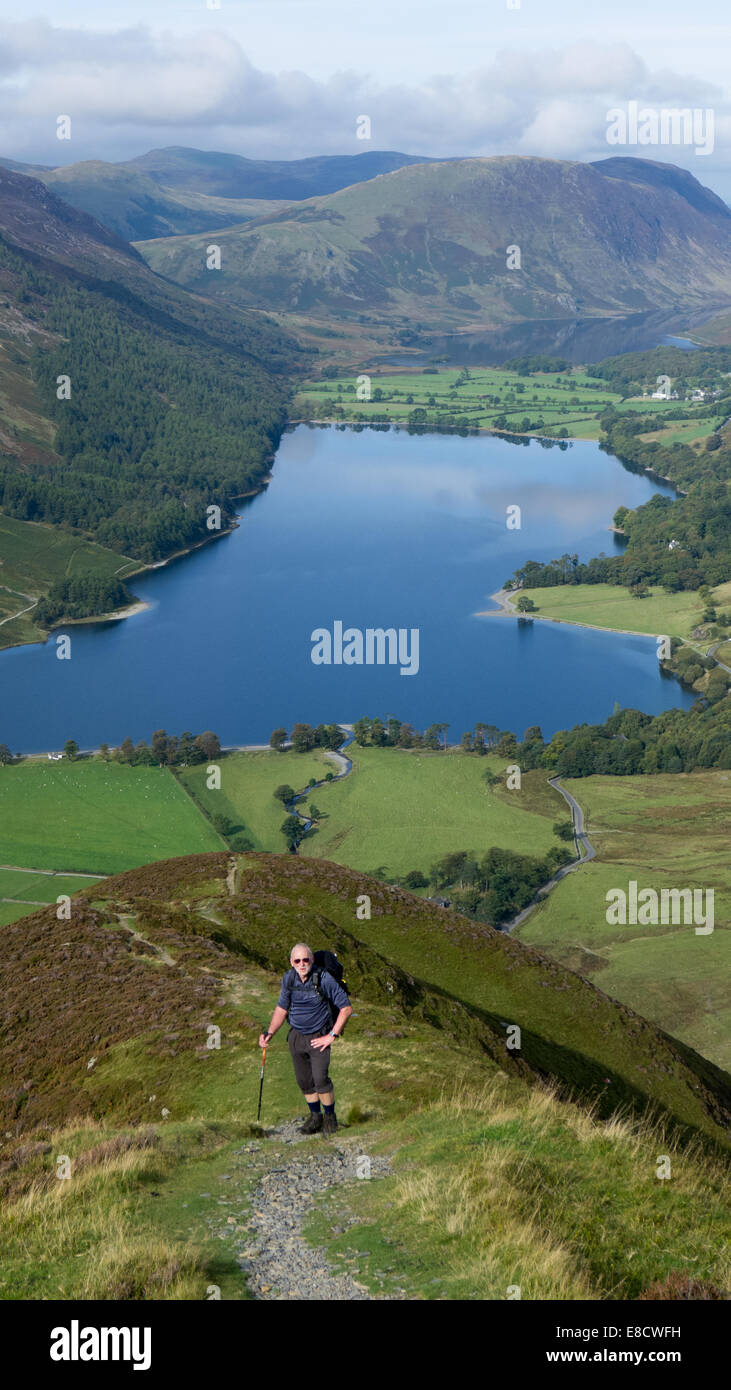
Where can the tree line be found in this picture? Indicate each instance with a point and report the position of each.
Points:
(491, 889)
(627, 743)
(80, 596)
(698, 526)
(305, 737)
(163, 750)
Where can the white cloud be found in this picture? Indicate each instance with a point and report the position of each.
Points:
(130, 89)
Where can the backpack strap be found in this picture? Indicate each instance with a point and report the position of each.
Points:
(316, 978)
(287, 984)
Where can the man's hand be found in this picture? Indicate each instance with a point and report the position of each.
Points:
(264, 1039)
(321, 1043)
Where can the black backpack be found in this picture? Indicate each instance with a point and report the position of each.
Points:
(323, 960)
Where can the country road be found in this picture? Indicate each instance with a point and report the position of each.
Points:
(712, 653)
(588, 853)
(578, 818)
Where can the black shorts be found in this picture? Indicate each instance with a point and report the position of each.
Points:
(310, 1063)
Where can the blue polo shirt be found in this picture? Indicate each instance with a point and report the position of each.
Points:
(308, 1013)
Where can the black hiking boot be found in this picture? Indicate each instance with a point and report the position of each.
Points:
(329, 1124)
(312, 1125)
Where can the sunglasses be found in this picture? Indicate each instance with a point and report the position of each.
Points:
(301, 960)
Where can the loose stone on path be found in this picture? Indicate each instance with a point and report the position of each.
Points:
(279, 1263)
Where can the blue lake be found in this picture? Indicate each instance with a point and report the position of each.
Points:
(376, 529)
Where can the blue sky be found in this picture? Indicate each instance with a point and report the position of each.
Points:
(287, 78)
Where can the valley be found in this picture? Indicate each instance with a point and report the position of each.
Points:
(359, 472)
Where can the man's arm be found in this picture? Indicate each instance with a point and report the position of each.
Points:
(341, 1020)
(336, 994)
(321, 1043)
(278, 1018)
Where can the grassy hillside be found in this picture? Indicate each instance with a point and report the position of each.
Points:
(495, 1178)
(21, 890)
(398, 811)
(661, 832)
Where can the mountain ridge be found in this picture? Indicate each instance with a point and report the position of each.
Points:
(251, 907)
(428, 244)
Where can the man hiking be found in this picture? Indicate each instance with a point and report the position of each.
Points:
(312, 1030)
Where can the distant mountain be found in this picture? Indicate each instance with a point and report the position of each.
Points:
(136, 207)
(25, 168)
(428, 245)
(176, 191)
(232, 176)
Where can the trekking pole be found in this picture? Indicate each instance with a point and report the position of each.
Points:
(261, 1081)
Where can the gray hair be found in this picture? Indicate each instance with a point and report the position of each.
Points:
(302, 946)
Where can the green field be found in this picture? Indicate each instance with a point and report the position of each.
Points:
(21, 892)
(548, 402)
(32, 557)
(248, 781)
(396, 811)
(400, 810)
(96, 817)
(662, 832)
(612, 606)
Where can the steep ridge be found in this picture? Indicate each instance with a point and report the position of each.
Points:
(135, 206)
(52, 236)
(433, 969)
(173, 401)
(128, 1046)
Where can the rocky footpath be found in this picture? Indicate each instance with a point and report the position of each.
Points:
(277, 1261)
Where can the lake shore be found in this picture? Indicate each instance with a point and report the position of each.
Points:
(507, 609)
(138, 606)
(131, 609)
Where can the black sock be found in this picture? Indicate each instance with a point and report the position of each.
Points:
(314, 1106)
(329, 1109)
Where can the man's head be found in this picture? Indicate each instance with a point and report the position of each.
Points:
(302, 958)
